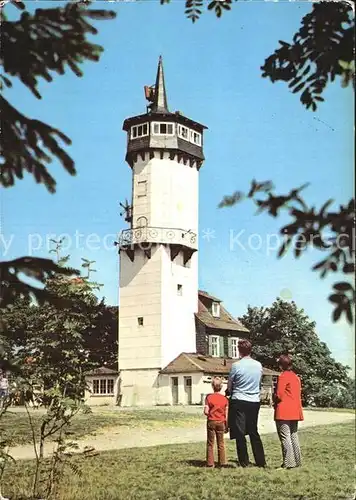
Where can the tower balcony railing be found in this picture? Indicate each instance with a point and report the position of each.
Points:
(149, 235)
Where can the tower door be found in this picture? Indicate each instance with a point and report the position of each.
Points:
(188, 390)
(174, 390)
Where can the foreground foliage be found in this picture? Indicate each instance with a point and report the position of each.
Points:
(36, 46)
(331, 232)
(174, 472)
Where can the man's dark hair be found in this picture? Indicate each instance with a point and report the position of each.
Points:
(244, 347)
(285, 362)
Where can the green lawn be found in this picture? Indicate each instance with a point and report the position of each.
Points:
(175, 472)
(14, 426)
(333, 410)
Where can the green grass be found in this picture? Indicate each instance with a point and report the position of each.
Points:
(14, 426)
(174, 472)
(333, 410)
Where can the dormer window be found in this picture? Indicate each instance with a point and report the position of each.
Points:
(215, 309)
(163, 128)
(195, 137)
(139, 131)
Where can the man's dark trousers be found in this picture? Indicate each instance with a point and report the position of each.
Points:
(243, 420)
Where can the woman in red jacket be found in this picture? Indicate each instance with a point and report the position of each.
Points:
(288, 412)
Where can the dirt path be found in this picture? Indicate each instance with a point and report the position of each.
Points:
(119, 438)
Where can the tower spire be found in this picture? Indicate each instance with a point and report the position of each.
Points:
(159, 104)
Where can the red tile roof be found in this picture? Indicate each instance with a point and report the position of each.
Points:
(102, 371)
(195, 363)
(225, 322)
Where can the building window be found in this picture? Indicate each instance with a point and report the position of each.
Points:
(103, 386)
(140, 321)
(139, 131)
(215, 309)
(233, 348)
(183, 132)
(195, 137)
(179, 289)
(163, 128)
(214, 347)
(141, 188)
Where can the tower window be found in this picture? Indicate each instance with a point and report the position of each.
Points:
(183, 132)
(141, 188)
(163, 128)
(179, 289)
(140, 321)
(139, 131)
(195, 137)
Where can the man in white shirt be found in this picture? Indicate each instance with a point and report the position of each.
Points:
(244, 390)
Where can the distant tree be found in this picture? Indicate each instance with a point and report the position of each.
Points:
(346, 398)
(35, 46)
(39, 331)
(55, 345)
(336, 397)
(283, 328)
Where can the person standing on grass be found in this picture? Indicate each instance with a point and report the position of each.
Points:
(244, 391)
(288, 412)
(216, 411)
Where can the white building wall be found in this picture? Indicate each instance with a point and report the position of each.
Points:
(139, 387)
(140, 296)
(171, 200)
(201, 387)
(178, 308)
(100, 399)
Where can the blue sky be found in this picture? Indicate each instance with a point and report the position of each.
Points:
(256, 130)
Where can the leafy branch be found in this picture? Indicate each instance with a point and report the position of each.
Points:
(332, 232)
(39, 269)
(193, 8)
(27, 145)
(49, 40)
(321, 50)
(36, 46)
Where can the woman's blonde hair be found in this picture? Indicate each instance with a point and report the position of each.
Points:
(217, 384)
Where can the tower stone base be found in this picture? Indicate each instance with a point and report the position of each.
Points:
(143, 388)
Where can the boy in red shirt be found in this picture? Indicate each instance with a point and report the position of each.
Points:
(216, 410)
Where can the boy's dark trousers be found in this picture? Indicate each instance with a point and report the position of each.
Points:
(215, 428)
(243, 420)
